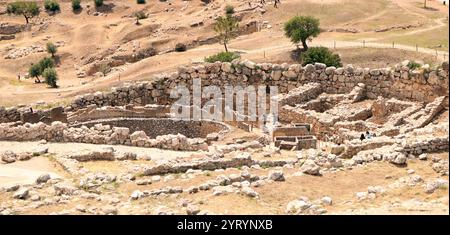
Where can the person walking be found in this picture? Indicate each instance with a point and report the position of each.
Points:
(368, 135)
(276, 2)
(362, 137)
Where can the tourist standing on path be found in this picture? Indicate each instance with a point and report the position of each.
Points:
(276, 2)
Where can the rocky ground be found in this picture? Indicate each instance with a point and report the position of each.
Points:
(58, 184)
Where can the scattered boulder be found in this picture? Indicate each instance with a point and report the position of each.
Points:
(12, 188)
(24, 156)
(21, 194)
(43, 178)
(192, 209)
(310, 167)
(297, 206)
(8, 157)
(276, 175)
(64, 189)
(327, 201)
(249, 192)
(432, 186)
(136, 195)
(423, 156)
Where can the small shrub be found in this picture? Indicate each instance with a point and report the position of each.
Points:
(413, 65)
(180, 47)
(223, 57)
(51, 48)
(98, 3)
(105, 69)
(140, 1)
(229, 10)
(51, 5)
(51, 77)
(321, 55)
(76, 5)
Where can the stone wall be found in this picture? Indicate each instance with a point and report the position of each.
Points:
(24, 114)
(98, 134)
(399, 82)
(154, 127)
(130, 111)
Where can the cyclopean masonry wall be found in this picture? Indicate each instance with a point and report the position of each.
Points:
(398, 82)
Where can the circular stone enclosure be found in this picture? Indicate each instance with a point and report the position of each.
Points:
(154, 127)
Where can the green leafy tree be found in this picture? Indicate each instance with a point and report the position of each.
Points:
(140, 1)
(35, 71)
(51, 77)
(321, 55)
(76, 5)
(225, 27)
(301, 29)
(46, 63)
(27, 9)
(51, 48)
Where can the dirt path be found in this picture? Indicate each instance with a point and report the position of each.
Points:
(26, 172)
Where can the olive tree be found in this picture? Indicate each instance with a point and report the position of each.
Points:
(51, 48)
(51, 77)
(301, 29)
(225, 26)
(27, 9)
(35, 71)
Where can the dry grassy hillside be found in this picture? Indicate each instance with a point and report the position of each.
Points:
(108, 39)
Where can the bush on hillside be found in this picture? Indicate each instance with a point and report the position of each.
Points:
(180, 47)
(229, 10)
(413, 65)
(223, 57)
(321, 55)
(76, 5)
(51, 5)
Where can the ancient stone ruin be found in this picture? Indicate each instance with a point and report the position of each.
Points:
(322, 114)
